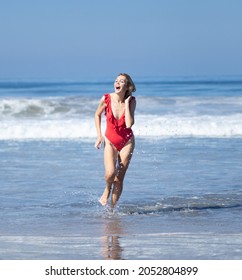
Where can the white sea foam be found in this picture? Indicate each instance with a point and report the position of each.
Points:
(47, 129)
(145, 126)
(73, 117)
(189, 126)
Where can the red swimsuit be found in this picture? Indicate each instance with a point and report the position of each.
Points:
(116, 131)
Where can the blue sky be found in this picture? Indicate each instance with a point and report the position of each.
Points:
(75, 39)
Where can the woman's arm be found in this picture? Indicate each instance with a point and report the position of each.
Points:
(130, 105)
(98, 116)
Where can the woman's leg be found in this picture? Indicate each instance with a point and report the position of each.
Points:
(125, 156)
(110, 158)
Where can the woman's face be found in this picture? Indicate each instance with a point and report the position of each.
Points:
(120, 84)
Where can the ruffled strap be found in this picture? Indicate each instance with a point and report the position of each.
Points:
(107, 102)
(107, 98)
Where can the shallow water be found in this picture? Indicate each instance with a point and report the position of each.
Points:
(182, 199)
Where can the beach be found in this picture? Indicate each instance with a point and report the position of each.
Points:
(182, 196)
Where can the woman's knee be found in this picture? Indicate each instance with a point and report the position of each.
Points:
(109, 176)
(119, 178)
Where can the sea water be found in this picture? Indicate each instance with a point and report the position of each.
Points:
(182, 196)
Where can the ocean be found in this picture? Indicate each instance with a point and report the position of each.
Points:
(182, 196)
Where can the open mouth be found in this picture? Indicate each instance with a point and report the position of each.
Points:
(117, 88)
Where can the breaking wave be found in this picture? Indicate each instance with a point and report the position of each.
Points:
(73, 118)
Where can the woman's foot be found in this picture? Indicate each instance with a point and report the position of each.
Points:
(103, 200)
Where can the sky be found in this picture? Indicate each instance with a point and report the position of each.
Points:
(80, 39)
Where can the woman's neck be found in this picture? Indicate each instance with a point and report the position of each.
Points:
(119, 97)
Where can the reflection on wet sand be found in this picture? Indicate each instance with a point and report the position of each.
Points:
(111, 248)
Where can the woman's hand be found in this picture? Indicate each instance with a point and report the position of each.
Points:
(127, 100)
(98, 143)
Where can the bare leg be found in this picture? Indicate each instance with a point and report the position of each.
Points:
(110, 157)
(124, 160)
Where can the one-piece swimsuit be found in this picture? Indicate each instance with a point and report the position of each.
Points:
(116, 131)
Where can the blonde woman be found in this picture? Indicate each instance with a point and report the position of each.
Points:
(119, 142)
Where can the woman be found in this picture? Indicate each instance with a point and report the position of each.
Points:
(119, 108)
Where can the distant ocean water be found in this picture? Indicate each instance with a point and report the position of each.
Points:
(182, 196)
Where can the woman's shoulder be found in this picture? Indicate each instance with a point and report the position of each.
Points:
(107, 95)
(106, 98)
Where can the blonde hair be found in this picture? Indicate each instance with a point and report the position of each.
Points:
(130, 85)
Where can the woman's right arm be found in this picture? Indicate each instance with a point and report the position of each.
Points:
(98, 115)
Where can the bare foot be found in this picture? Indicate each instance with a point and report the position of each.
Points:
(103, 201)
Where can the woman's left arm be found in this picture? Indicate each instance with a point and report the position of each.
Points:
(130, 105)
